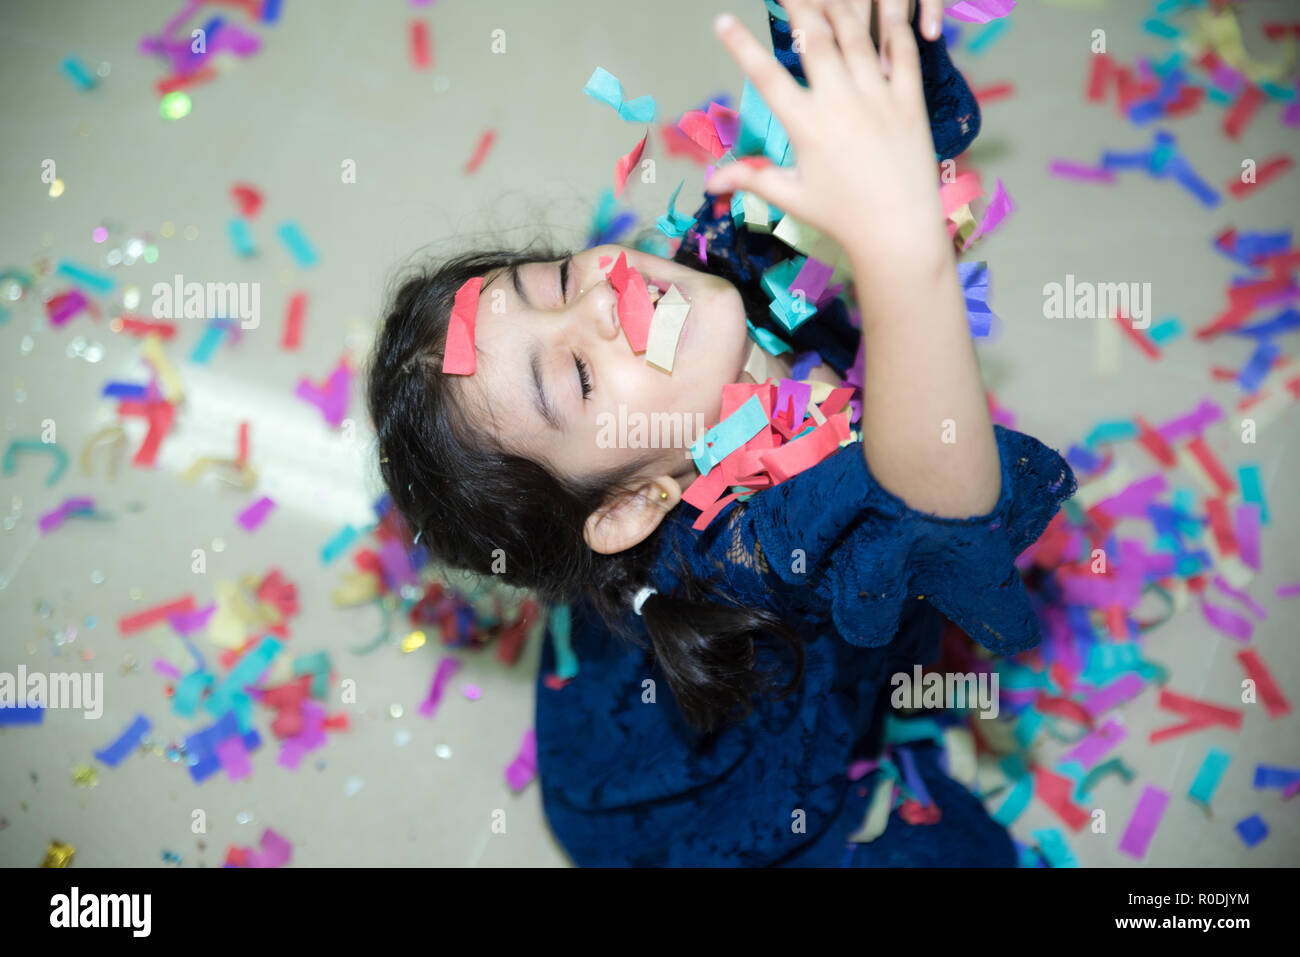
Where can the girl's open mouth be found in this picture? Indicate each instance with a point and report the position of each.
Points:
(658, 287)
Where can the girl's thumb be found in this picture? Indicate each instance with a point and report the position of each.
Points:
(740, 175)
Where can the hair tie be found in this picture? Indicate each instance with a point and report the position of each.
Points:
(641, 596)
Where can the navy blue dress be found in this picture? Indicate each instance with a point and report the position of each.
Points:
(866, 581)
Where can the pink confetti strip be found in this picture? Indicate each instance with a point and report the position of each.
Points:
(1289, 590)
(55, 517)
(1142, 825)
(253, 516)
(980, 11)
(187, 622)
(1256, 608)
(999, 208)
(1092, 748)
(524, 767)
(1248, 533)
(446, 668)
(275, 852)
(1231, 624)
(166, 669)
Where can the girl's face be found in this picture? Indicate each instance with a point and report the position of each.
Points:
(554, 366)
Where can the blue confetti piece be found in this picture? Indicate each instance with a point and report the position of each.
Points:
(297, 244)
(270, 11)
(1083, 459)
(1257, 367)
(32, 714)
(87, 277)
(116, 752)
(241, 238)
(1252, 830)
(124, 390)
(78, 74)
(1267, 776)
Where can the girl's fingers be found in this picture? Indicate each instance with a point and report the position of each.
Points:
(931, 19)
(775, 85)
(777, 185)
(815, 43)
(891, 12)
(859, 54)
(905, 78)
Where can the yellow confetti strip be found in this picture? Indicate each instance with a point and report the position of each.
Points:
(151, 349)
(84, 776)
(112, 436)
(1222, 33)
(59, 855)
(412, 641)
(357, 589)
(877, 818)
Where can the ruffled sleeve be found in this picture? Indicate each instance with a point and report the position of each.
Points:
(831, 543)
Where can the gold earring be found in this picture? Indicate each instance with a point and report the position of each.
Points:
(663, 496)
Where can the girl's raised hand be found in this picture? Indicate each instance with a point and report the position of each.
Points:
(865, 172)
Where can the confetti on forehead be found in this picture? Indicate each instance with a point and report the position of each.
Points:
(458, 356)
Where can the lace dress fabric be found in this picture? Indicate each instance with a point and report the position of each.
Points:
(866, 581)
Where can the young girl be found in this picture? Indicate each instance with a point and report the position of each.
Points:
(761, 647)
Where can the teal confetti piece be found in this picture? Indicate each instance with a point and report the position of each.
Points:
(604, 86)
(1208, 777)
(1013, 766)
(988, 36)
(1017, 678)
(1168, 65)
(1217, 95)
(729, 434)
(78, 74)
(313, 664)
(1158, 28)
(246, 672)
(297, 244)
(1166, 330)
(1283, 93)
(899, 731)
(1015, 803)
(331, 550)
(1075, 772)
(771, 343)
(242, 705)
(241, 238)
(188, 692)
(673, 224)
(1252, 489)
(1114, 431)
(36, 445)
(789, 310)
(1051, 842)
(1027, 727)
(97, 281)
(561, 627)
(208, 342)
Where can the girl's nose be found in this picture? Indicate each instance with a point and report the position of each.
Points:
(599, 308)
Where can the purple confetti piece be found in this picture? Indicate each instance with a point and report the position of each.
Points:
(1247, 515)
(188, 622)
(167, 669)
(1289, 590)
(1117, 692)
(1092, 748)
(1231, 624)
(913, 778)
(253, 516)
(446, 668)
(1193, 423)
(524, 767)
(1089, 174)
(812, 279)
(234, 759)
(1256, 608)
(1142, 825)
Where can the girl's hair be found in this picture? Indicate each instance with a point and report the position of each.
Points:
(473, 504)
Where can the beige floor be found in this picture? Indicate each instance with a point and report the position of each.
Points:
(333, 83)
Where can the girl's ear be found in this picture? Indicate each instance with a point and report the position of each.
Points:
(630, 517)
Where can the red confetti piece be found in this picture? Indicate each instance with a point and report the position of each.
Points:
(134, 326)
(1276, 30)
(169, 84)
(1055, 790)
(1099, 77)
(989, 94)
(1221, 525)
(1275, 701)
(459, 357)
(1208, 461)
(242, 458)
(293, 321)
(1144, 342)
(1153, 442)
(1242, 111)
(485, 141)
(421, 55)
(627, 163)
(130, 624)
(248, 199)
(1264, 175)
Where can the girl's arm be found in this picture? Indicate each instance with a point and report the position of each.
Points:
(865, 176)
